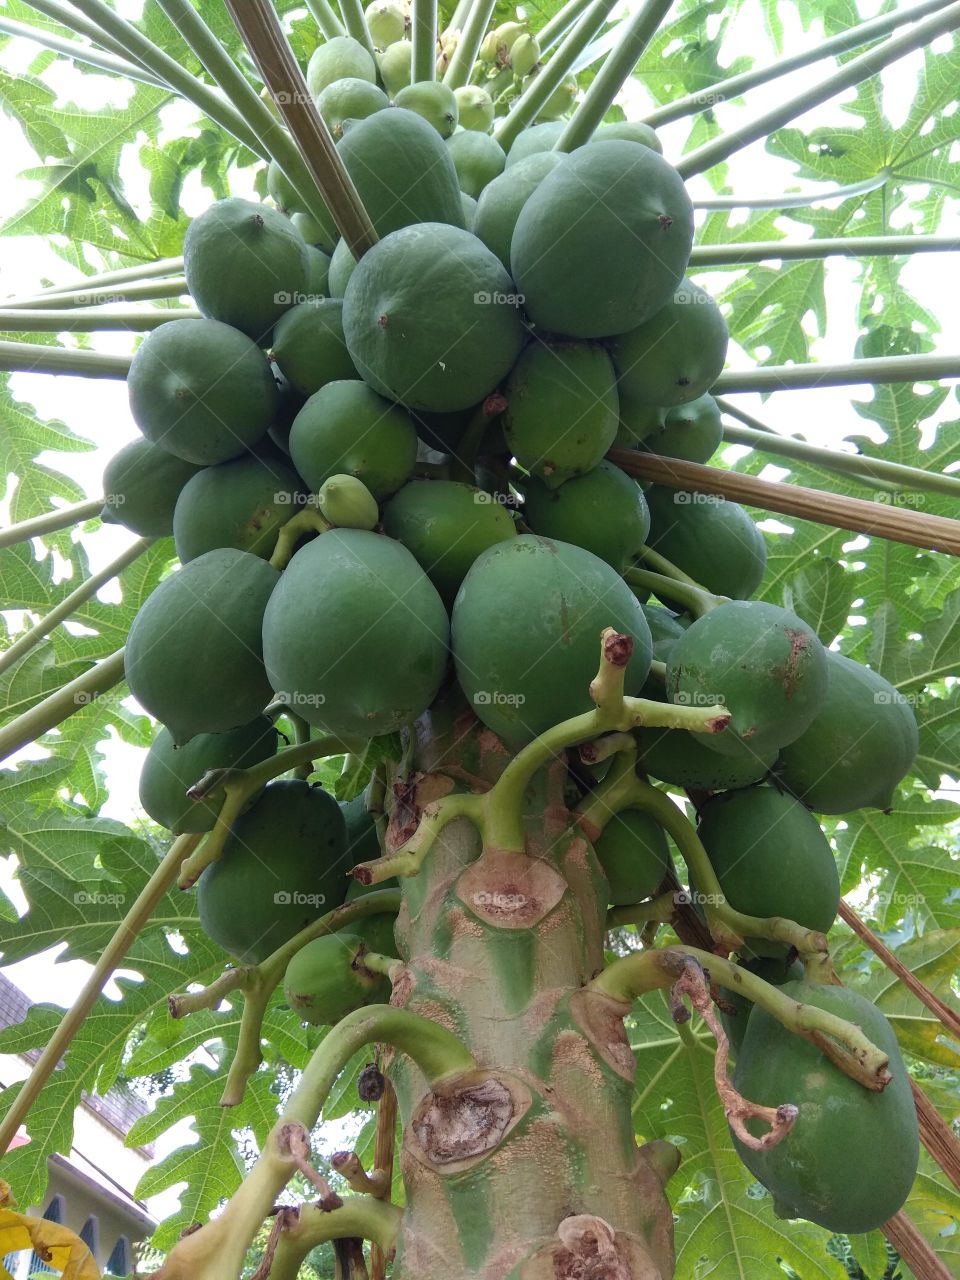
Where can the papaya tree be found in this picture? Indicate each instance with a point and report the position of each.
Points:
(541, 755)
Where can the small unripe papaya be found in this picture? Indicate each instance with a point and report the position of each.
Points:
(347, 503)
(141, 485)
(524, 54)
(434, 101)
(603, 510)
(474, 107)
(396, 66)
(326, 980)
(338, 59)
(386, 22)
(634, 854)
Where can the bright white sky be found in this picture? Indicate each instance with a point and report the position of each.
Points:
(98, 410)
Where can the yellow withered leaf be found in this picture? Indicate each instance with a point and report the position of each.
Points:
(55, 1245)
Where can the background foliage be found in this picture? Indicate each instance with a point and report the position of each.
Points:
(887, 604)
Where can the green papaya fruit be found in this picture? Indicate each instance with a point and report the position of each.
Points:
(850, 1159)
(685, 760)
(469, 210)
(282, 191)
(712, 539)
(339, 59)
(326, 979)
(193, 657)
(377, 933)
(320, 235)
(561, 100)
(665, 629)
(348, 100)
(355, 636)
(239, 504)
(345, 428)
(498, 43)
(342, 265)
(402, 170)
(282, 867)
(774, 970)
(168, 771)
(431, 318)
(291, 402)
(202, 390)
(386, 22)
(637, 421)
(444, 431)
(561, 415)
(477, 157)
(603, 511)
(318, 274)
(434, 101)
(396, 66)
(141, 485)
(533, 140)
(446, 525)
(677, 354)
(603, 242)
(858, 747)
(631, 131)
(524, 54)
(502, 199)
(474, 108)
(309, 347)
(634, 854)
(691, 431)
(347, 503)
(245, 265)
(527, 623)
(771, 858)
(363, 843)
(763, 663)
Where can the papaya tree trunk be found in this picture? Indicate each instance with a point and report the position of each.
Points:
(529, 1167)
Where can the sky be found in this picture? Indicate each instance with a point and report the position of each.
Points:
(98, 410)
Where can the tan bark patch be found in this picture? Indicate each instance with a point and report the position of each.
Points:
(510, 890)
(588, 1248)
(601, 1020)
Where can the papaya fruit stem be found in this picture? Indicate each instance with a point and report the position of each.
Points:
(423, 38)
(79, 295)
(660, 564)
(693, 984)
(615, 70)
(374, 962)
(241, 784)
(27, 357)
(63, 703)
(50, 522)
(268, 45)
(218, 1248)
(82, 53)
(465, 457)
(851, 73)
(70, 603)
(355, 21)
(722, 255)
(359, 1217)
(350, 1168)
(842, 1042)
(409, 858)
(309, 520)
(326, 19)
(560, 23)
(208, 997)
(91, 319)
(468, 46)
(126, 933)
(670, 589)
(658, 910)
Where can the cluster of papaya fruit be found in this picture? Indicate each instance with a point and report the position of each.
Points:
(444, 406)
